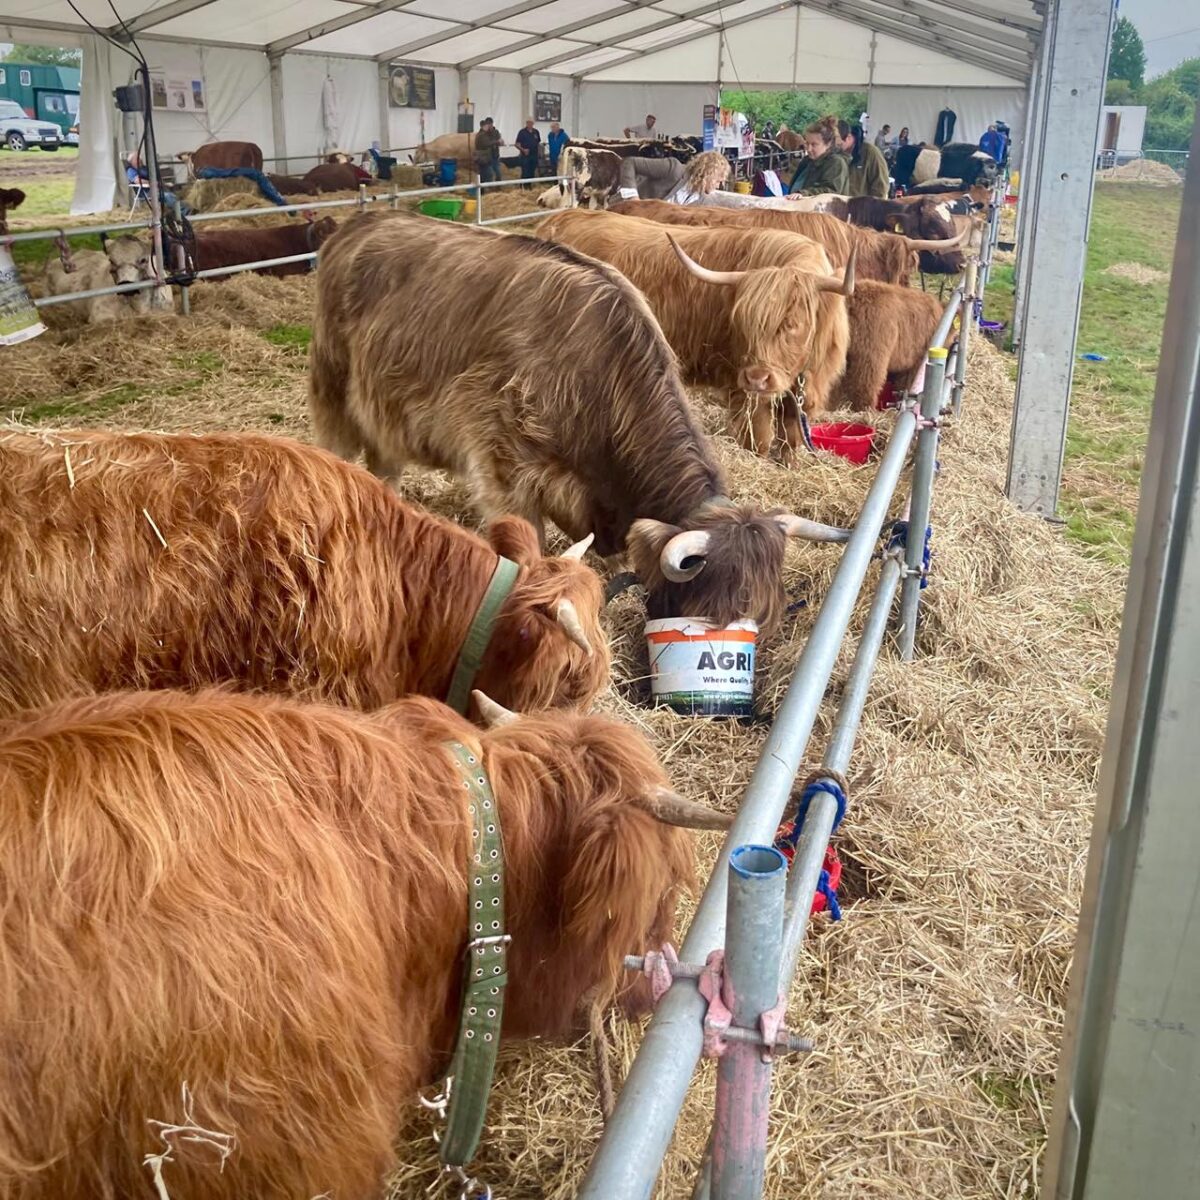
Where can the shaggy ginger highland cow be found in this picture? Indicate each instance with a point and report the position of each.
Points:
(160, 560)
(748, 311)
(560, 399)
(266, 901)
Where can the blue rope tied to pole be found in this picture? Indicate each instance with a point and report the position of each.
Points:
(899, 541)
(831, 900)
(792, 837)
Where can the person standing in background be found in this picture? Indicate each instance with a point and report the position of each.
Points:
(824, 170)
(529, 144)
(881, 138)
(557, 139)
(867, 173)
(902, 137)
(487, 151)
(642, 131)
(992, 143)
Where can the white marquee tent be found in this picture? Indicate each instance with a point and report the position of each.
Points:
(262, 66)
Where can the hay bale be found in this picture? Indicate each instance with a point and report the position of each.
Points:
(1143, 170)
(203, 195)
(405, 175)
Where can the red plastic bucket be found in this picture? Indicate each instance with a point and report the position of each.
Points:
(845, 438)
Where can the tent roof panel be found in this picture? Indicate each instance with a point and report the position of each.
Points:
(255, 24)
(378, 33)
(636, 39)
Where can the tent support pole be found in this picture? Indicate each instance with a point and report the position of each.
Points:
(278, 127)
(1078, 33)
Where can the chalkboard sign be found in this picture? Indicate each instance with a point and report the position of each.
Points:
(547, 106)
(411, 87)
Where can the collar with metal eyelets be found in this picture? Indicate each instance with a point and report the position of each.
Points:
(475, 645)
(486, 969)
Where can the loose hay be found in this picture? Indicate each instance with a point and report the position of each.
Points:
(1142, 170)
(1137, 272)
(936, 1004)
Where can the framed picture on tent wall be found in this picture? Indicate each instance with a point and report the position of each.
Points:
(411, 87)
(547, 106)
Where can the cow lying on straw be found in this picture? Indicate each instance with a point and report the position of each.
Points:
(747, 311)
(595, 435)
(247, 916)
(158, 560)
(124, 259)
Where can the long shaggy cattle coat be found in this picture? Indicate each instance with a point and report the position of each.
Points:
(885, 257)
(890, 330)
(158, 560)
(266, 901)
(776, 320)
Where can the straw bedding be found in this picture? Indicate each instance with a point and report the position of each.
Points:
(936, 1003)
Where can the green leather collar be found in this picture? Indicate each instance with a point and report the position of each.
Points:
(480, 634)
(486, 970)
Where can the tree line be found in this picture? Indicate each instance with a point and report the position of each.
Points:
(1170, 98)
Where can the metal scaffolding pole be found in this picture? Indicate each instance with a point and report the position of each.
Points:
(1078, 33)
(637, 1135)
(1124, 1120)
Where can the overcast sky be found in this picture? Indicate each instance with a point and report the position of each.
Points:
(1170, 29)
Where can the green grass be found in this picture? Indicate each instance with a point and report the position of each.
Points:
(45, 197)
(291, 337)
(1111, 401)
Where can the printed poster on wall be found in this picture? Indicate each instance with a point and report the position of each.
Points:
(547, 106)
(412, 87)
(710, 126)
(177, 93)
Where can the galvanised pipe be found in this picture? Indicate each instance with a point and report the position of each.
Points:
(965, 325)
(636, 1138)
(48, 235)
(754, 919)
(924, 463)
(942, 332)
(822, 809)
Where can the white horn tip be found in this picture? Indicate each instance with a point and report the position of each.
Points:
(493, 714)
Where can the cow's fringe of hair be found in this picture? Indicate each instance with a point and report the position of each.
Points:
(561, 398)
(269, 899)
(275, 566)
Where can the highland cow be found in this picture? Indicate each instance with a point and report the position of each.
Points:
(747, 311)
(263, 905)
(158, 560)
(565, 402)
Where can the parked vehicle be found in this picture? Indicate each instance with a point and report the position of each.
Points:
(73, 135)
(22, 133)
(47, 94)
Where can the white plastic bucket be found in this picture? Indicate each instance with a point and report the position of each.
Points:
(699, 669)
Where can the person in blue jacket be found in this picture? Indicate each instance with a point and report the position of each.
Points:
(992, 143)
(555, 141)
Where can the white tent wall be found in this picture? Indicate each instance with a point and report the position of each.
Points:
(95, 174)
(976, 107)
(357, 83)
(498, 94)
(607, 108)
(236, 87)
(918, 108)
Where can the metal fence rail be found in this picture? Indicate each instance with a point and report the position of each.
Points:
(637, 1135)
(476, 190)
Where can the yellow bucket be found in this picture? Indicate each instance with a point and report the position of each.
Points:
(742, 187)
(468, 210)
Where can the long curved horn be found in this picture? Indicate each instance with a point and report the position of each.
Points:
(568, 617)
(845, 285)
(693, 543)
(579, 549)
(493, 714)
(723, 278)
(812, 531)
(938, 246)
(672, 809)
